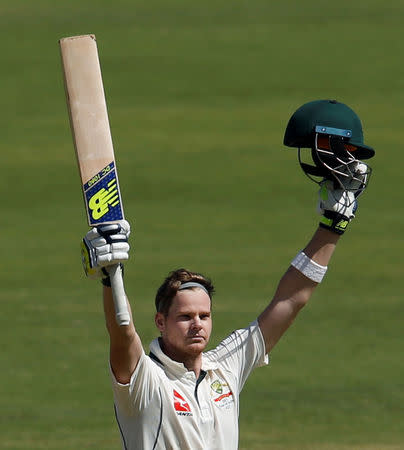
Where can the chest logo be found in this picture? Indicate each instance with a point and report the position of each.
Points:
(181, 405)
(221, 394)
(217, 386)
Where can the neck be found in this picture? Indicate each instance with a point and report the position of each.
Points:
(194, 365)
(193, 362)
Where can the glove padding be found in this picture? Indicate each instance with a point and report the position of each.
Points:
(338, 201)
(104, 246)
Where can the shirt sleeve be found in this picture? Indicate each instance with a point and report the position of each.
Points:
(132, 397)
(241, 352)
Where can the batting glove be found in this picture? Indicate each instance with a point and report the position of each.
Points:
(104, 246)
(338, 201)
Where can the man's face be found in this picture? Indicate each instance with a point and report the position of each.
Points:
(187, 327)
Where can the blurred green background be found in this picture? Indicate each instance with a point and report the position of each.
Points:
(199, 95)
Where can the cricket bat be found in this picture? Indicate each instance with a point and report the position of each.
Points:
(93, 144)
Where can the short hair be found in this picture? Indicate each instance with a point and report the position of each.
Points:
(168, 290)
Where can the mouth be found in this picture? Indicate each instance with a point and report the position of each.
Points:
(197, 338)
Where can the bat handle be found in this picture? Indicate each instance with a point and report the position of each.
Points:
(118, 294)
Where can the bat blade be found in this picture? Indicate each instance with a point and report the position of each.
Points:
(90, 128)
(93, 144)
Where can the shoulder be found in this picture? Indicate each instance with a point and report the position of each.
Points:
(240, 345)
(239, 337)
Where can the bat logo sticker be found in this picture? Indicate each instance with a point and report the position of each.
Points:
(99, 202)
(103, 197)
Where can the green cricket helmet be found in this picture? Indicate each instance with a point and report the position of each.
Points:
(333, 132)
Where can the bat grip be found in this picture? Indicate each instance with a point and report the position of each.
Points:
(118, 293)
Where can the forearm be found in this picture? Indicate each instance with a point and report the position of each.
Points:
(294, 284)
(125, 344)
(295, 289)
(118, 333)
(322, 246)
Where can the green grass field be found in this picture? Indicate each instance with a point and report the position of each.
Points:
(199, 96)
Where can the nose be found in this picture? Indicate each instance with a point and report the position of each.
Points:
(197, 323)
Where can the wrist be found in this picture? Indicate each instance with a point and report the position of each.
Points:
(106, 280)
(308, 267)
(335, 222)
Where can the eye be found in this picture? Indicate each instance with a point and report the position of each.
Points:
(184, 317)
(205, 316)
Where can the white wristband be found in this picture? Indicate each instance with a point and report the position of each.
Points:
(308, 267)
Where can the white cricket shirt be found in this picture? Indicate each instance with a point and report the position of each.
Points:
(165, 407)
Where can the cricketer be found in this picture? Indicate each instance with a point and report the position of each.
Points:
(179, 396)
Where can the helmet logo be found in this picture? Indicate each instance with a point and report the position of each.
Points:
(334, 131)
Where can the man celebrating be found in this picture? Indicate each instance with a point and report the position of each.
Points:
(178, 396)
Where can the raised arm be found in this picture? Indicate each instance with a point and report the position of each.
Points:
(332, 134)
(295, 289)
(125, 344)
(337, 206)
(104, 246)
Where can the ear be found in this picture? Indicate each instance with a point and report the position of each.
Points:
(160, 321)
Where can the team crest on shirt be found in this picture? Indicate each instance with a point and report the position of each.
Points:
(181, 406)
(217, 386)
(222, 396)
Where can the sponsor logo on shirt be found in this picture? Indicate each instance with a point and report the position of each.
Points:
(219, 399)
(181, 406)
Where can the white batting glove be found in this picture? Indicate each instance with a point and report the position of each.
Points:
(104, 246)
(336, 206)
(354, 177)
(337, 201)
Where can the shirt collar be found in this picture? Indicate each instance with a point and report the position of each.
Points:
(175, 367)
